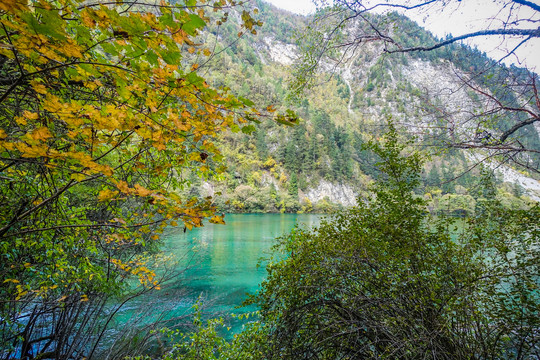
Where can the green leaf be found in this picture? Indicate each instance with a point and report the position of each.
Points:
(109, 49)
(194, 23)
(194, 79)
(246, 102)
(152, 58)
(248, 129)
(167, 19)
(171, 57)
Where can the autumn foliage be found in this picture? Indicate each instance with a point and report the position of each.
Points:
(102, 111)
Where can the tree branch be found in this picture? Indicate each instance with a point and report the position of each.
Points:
(516, 127)
(37, 207)
(533, 33)
(528, 3)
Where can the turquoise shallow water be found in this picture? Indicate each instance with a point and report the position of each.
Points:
(224, 259)
(217, 263)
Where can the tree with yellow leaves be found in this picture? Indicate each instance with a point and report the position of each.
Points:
(102, 108)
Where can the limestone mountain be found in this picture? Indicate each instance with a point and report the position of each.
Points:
(320, 164)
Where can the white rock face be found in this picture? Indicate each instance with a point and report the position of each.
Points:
(531, 186)
(207, 189)
(280, 52)
(336, 193)
(537, 127)
(441, 84)
(267, 180)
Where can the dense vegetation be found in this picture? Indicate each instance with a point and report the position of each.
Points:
(387, 280)
(119, 120)
(281, 169)
(102, 109)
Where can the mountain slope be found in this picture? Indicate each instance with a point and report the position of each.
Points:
(320, 163)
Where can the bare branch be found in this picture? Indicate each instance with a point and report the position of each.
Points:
(516, 127)
(528, 3)
(532, 33)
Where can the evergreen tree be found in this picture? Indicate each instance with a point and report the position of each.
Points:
(293, 185)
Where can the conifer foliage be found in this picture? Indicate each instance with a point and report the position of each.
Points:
(385, 280)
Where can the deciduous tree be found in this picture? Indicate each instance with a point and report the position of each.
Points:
(102, 109)
(385, 280)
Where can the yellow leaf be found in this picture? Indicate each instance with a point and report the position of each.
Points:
(194, 157)
(13, 5)
(86, 19)
(42, 133)
(39, 88)
(78, 176)
(21, 294)
(52, 103)
(106, 194)
(141, 191)
(72, 51)
(123, 187)
(20, 120)
(217, 220)
(31, 151)
(207, 52)
(30, 115)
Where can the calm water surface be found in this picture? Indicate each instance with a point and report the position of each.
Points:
(224, 259)
(217, 263)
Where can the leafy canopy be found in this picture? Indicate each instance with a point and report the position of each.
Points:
(387, 280)
(102, 111)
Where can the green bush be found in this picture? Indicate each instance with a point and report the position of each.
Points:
(386, 280)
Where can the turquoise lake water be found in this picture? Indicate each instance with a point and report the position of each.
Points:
(216, 263)
(224, 259)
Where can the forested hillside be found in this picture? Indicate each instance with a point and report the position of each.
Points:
(124, 122)
(320, 164)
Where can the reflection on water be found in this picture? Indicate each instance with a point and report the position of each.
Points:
(225, 258)
(217, 263)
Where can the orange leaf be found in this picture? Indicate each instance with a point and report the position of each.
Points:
(141, 191)
(30, 115)
(106, 194)
(123, 187)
